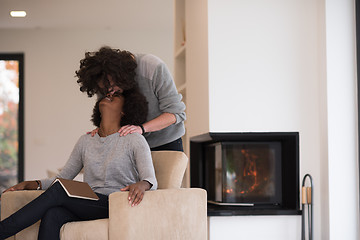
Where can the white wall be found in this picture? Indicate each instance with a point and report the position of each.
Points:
(267, 72)
(342, 120)
(254, 227)
(271, 65)
(56, 112)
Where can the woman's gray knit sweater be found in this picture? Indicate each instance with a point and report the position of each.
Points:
(110, 163)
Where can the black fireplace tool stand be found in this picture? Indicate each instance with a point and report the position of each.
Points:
(307, 208)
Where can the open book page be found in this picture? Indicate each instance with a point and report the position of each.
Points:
(77, 189)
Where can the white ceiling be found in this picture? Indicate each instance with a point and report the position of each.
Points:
(154, 15)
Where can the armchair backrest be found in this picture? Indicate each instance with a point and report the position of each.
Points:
(169, 167)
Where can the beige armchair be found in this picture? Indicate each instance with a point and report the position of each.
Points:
(168, 213)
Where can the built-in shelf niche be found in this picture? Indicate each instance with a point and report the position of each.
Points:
(180, 67)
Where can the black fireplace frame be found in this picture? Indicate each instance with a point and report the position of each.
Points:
(290, 170)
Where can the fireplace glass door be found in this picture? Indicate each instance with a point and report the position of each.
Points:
(244, 173)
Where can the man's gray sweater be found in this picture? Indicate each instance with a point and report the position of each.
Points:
(157, 84)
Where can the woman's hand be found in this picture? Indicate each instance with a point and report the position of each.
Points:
(125, 130)
(136, 192)
(93, 132)
(27, 185)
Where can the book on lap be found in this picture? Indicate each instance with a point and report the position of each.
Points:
(77, 189)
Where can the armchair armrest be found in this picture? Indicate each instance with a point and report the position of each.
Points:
(162, 214)
(13, 201)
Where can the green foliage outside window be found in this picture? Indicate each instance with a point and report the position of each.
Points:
(9, 100)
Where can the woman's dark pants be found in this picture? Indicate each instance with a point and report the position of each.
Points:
(54, 208)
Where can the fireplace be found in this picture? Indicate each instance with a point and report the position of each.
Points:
(247, 173)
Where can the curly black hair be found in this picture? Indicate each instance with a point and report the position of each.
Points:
(135, 109)
(96, 66)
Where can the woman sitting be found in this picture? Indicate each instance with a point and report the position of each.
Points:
(111, 163)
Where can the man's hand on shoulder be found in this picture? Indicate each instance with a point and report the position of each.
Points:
(125, 130)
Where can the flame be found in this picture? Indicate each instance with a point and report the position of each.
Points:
(250, 167)
(249, 175)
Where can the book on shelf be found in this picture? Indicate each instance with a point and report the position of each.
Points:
(77, 189)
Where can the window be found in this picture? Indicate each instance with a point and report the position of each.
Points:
(11, 120)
